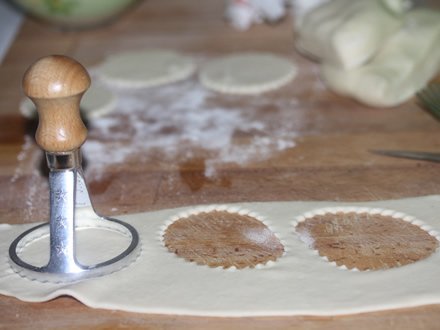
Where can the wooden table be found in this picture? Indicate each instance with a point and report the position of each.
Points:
(329, 162)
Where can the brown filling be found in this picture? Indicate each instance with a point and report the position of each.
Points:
(223, 239)
(366, 241)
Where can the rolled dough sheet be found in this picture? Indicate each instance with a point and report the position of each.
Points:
(299, 283)
(399, 70)
(247, 73)
(145, 68)
(97, 101)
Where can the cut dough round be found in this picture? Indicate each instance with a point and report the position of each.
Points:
(146, 68)
(96, 102)
(247, 73)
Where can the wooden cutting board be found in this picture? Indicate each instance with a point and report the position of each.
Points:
(329, 162)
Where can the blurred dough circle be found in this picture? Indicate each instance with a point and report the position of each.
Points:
(96, 102)
(247, 73)
(146, 68)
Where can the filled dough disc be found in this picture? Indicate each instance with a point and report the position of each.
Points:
(247, 73)
(146, 68)
(96, 102)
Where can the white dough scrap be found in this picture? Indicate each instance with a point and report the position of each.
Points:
(398, 6)
(403, 66)
(247, 73)
(146, 68)
(301, 7)
(346, 33)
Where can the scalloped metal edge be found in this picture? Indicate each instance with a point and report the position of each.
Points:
(361, 209)
(229, 209)
(81, 225)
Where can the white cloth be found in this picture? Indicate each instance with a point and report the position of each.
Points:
(243, 13)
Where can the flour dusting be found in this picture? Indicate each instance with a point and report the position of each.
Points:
(181, 121)
(21, 157)
(27, 174)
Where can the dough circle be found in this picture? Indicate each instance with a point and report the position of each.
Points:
(96, 102)
(146, 68)
(247, 73)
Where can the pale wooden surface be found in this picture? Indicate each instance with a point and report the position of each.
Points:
(366, 242)
(329, 162)
(218, 239)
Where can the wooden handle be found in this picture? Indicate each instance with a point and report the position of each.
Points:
(56, 84)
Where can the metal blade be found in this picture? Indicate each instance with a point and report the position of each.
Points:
(82, 193)
(418, 155)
